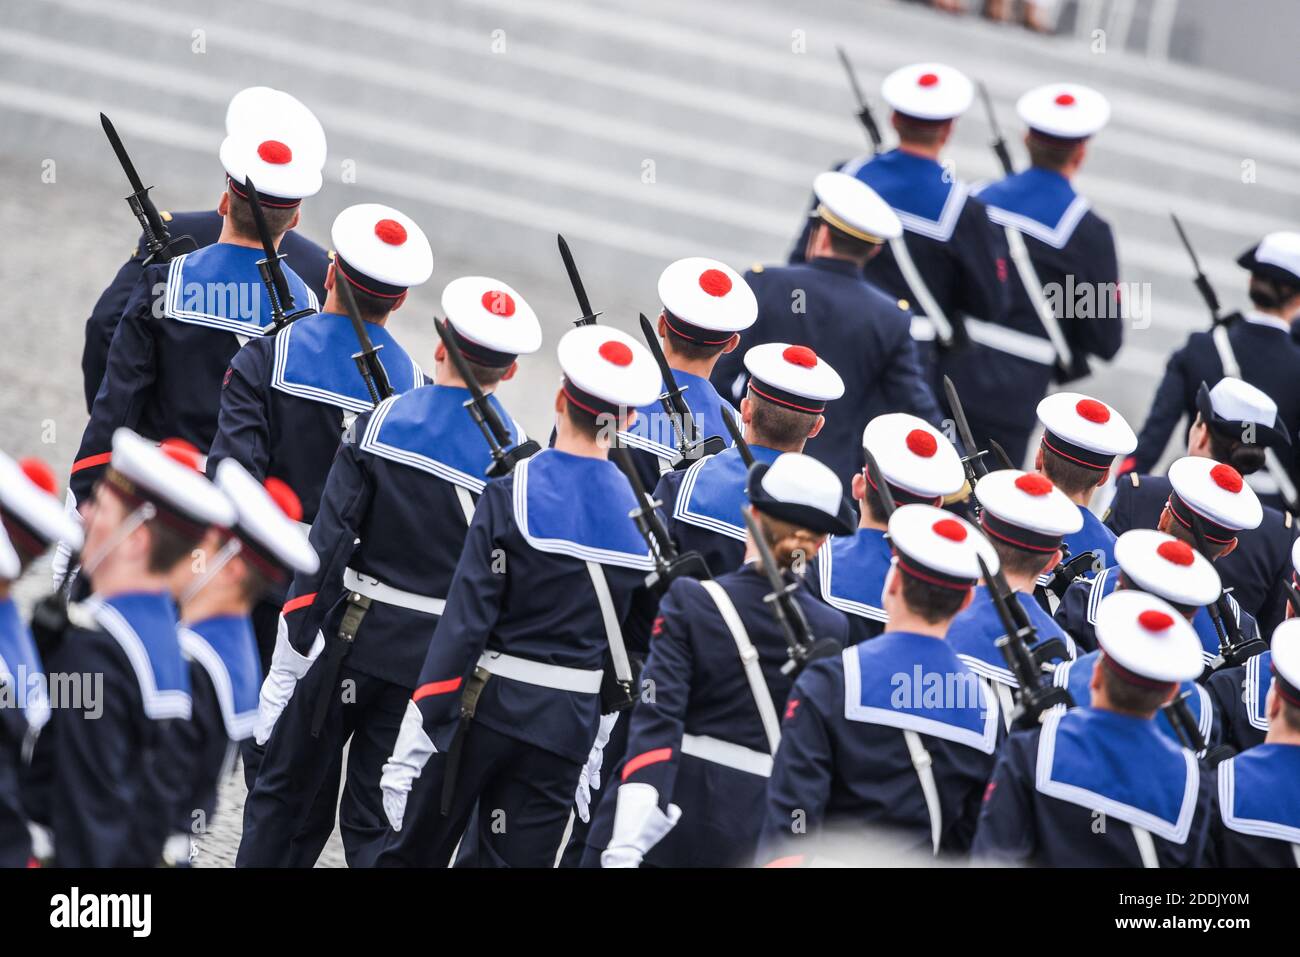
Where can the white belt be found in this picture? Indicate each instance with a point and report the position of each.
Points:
(922, 329)
(539, 673)
(371, 587)
(176, 850)
(42, 841)
(727, 754)
(1012, 341)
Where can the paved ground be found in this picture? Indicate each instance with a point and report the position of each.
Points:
(643, 132)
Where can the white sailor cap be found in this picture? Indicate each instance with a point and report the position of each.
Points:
(1084, 430)
(279, 146)
(1217, 493)
(928, 91)
(853, 207)
(1146, 641)
(1166, 566)
(792, 376)
(606, 370)
(706, 301)
(259, 111)
(916, 459)
(380, 250)
(1285, 655)
(1064, 111)
(492, 323)
(1025, 510)
(938, 547)
(267, 523)
(796, 488)
(32, 515)
(1238, 411)
(1276, 256)
(167, 477)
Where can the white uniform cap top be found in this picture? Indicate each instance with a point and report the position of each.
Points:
(259, 111)
(489, 313)
(928, 91)
(1285, 648)
(709, 295)
(1216, 492)
(281, 148)
(1093, 433)
(1165, 566)
(609, 365)
(1030, 502)
(1067, 111)
(162, 478)
(913, 455)
(260, 518)
(382, 243)
(1239, 401)
(853, 207)
(788, 375)
(36, 507)
(1148, 638)
(1281, 250)
(939, 547)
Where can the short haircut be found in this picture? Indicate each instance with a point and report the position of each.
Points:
(486, 376)
(1184, 534)
(590, 424)
(371, 308)
(935, 603)
(694, 351)
(254, 584)
(168, 545)
(875, 505)
(1290, 714)
(778, 426)
(1049, 153)
(1070, 477)
(1019, 561)
(911, 129)
(1244, 458)
(1126, 696)
(241, 216)
(850, 247)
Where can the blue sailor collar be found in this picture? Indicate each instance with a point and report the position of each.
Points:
(915, 683)
(1037, 202)
(973, 635)
(1257, 792)
(1076, 677)
(429, 429)
(927, 198)
(652, 431)
(224, 646)
(852, 570)
(712, 492)
(1092, 537)
(578, 506)
(219, 286)
(1108, 578)
(1120, 765)
(313, 360)
(1258, 679)
(21, 668)
(144, 626)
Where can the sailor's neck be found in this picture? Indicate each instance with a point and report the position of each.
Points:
(921, 152)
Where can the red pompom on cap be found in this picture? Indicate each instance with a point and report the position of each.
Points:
(1153, 620)
(950, 529)
(1031, 483)
(616, 352)
(715, 282)
(285, 498)
(391, 232)
(1092, 410)
(1180, 553)
(178, 450)
(922, 443)
(274, 152)
(40, 474)
(499, 302)
(928, 79)
(1065, 99)
(1226, 477)
(800, 356)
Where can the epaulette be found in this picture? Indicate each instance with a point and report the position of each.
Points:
(166, 216)
(1133, 477)
(904, 305)
(757, 267)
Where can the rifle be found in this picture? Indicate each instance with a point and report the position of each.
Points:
(1026, 656)
(277, 287)
(1201, 281)
(999, 144)
(746, 454)
(973, 457)
(157, 239)
(865, 116)
(367, 360)
(802, 646)
(484, 414)
(669, 563)
(1180, 716)
(1233, 648)
(588, 318)
(675, 407)
(882, 487)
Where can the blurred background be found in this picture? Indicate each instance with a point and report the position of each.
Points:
(643, 132)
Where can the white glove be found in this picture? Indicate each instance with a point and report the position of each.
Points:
(287, 667)
(404, 765)
(638, 825)
(589, 777)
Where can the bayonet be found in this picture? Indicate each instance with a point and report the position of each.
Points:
(999, 144)
(878, 480)
(367, 359)
(588, 318)
(158, 240)
(738, 438)
(669, 563)
(273, 278)
(1201, 281)
(675, 407)
(865, 116)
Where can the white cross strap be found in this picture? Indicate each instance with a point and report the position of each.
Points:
(749, 659)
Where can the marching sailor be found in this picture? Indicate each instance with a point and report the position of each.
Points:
(920, 466)
(895, 734)
(31, 520)
(951, 261)
(825, 304)
(1257, 346)
(1167, 567)
(508, 702)
(1062, 253)
(1257, 819)
(702, 746)
(1025, 519)
(1102, 786)
(286, 399)
(782, 409)
(1081, 438)
(185, 320)
(706, 306)
(309, 260)
(263, 548)
(1227, 415)
(389, 533)
(104, 775)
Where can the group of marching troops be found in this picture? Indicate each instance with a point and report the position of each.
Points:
(774, 591)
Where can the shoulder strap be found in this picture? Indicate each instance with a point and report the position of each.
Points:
(1276, 470)
(466, 503)
(924, 765)
(1034, 289)
(920, 291)
(1146, 846)
(613, 633)
(749, 659)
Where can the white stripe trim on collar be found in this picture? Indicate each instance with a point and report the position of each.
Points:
(198, 650)
(859, 608)
(682, 512)
(1251, 689)
(157, 704)
(1055, 236)
(1244, 825)
(370, 443)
